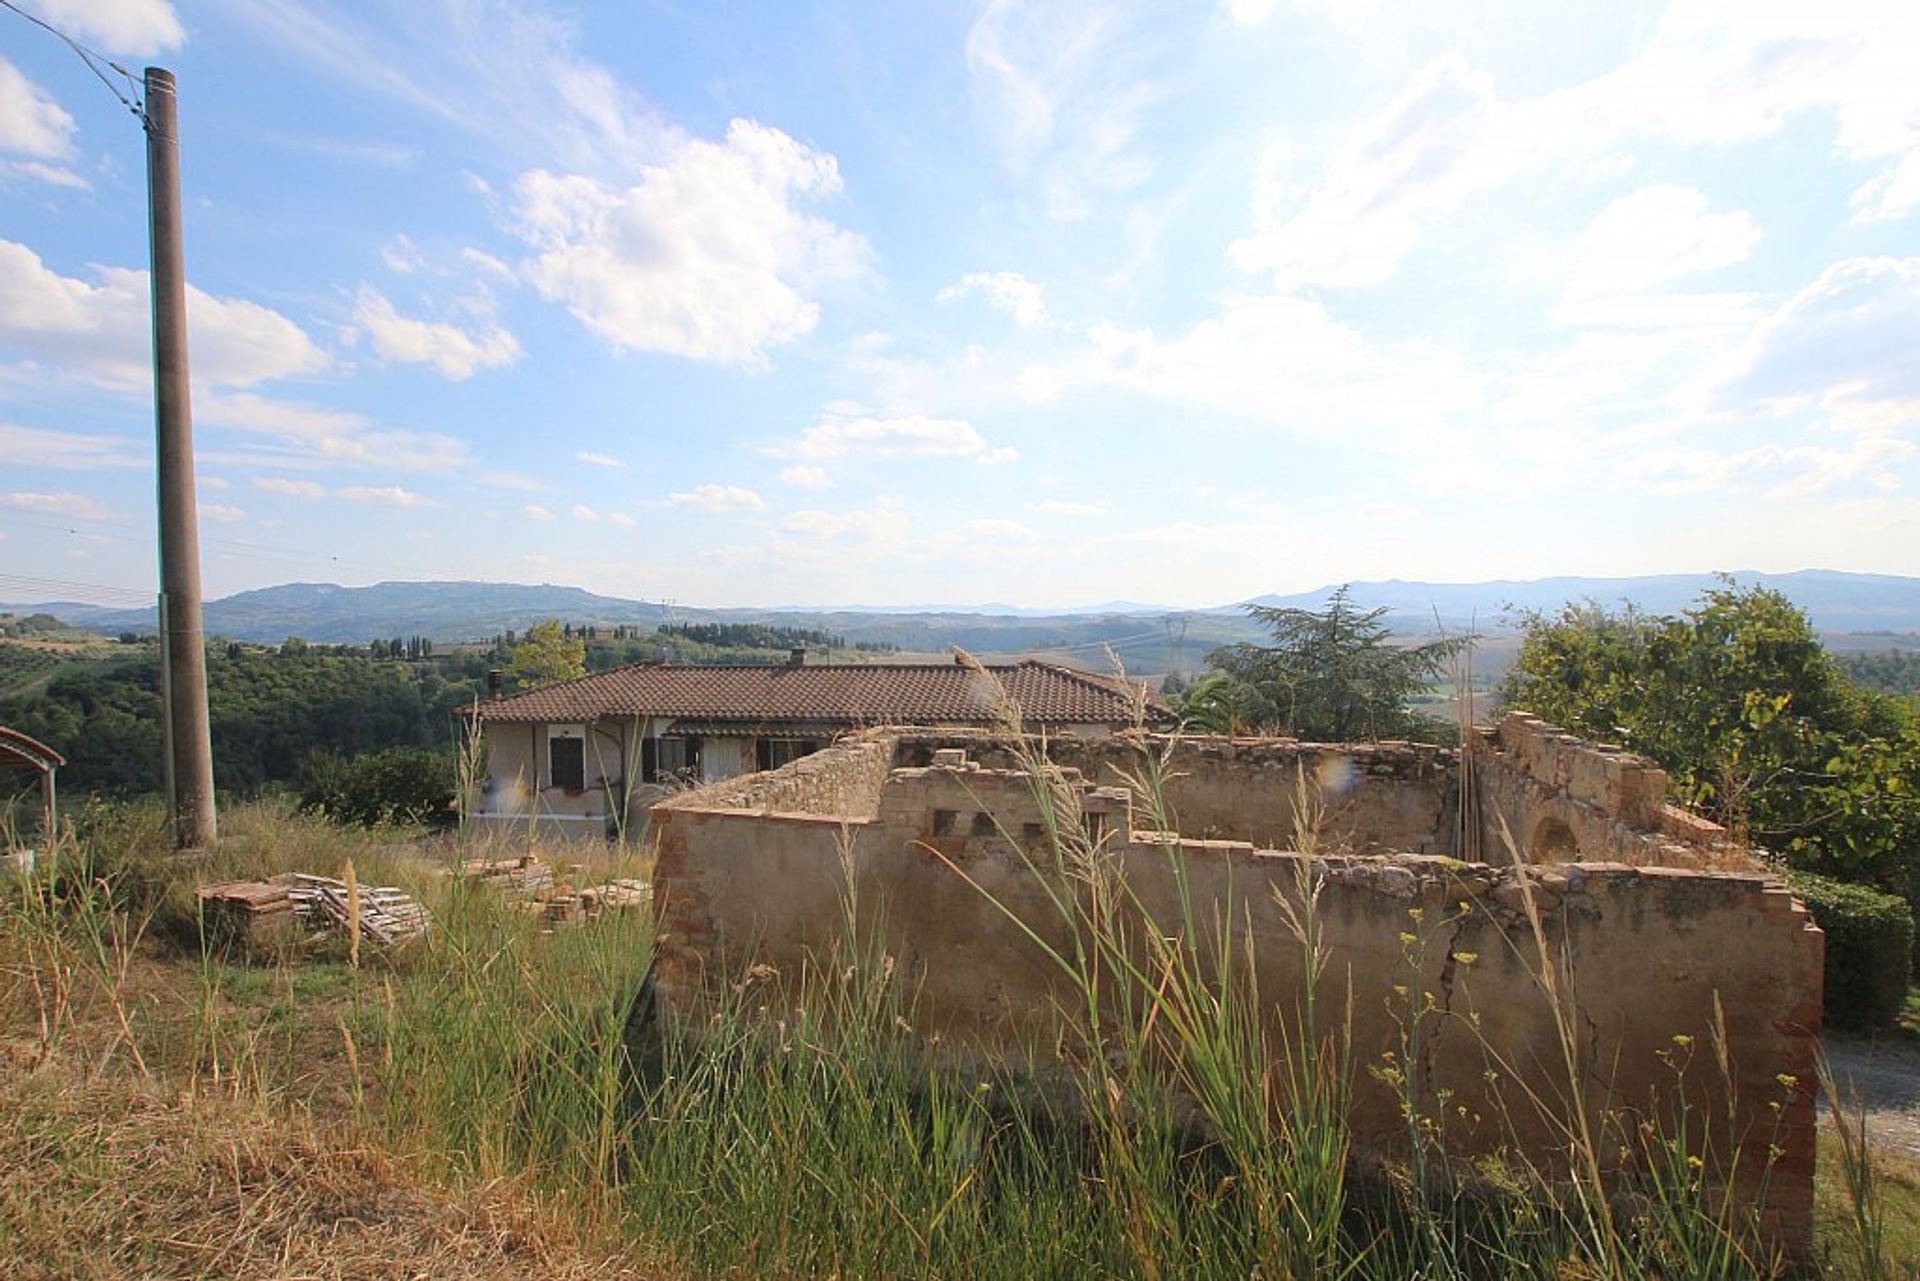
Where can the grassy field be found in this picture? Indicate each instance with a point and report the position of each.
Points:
(472, 1106)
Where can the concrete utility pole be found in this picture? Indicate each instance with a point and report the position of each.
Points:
(183, 655)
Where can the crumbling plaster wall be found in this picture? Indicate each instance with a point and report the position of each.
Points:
(1558, 798)
(1364, 798)
(941, 853)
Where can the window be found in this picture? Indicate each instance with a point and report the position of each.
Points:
(772, 753)
(665, 758)
(567, 762)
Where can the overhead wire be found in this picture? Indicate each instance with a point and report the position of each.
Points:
(93, 58)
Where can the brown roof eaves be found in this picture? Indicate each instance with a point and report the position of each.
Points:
(846, 695)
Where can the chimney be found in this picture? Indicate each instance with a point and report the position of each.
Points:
(495, 677)
(796, 657)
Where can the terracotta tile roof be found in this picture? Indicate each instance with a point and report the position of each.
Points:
(846, 695)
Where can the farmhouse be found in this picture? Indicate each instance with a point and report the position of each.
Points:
(584, 756)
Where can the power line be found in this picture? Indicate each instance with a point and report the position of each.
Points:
(93, 59)
(100, 593)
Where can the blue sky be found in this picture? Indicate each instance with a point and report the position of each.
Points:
(1038, 303)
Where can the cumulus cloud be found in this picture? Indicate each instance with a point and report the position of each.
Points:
(1710, 74)
(885, 523)
(117, 26)
(330, 437)
(592, 459)
(103, 330)
(621, 519)
(288, 488)
(806, 476)
(1892, 194)
(1006, 291)
(1846, 341)
(718, 498)
(39, 447)
(1067, 507)
(31, 122)
(584, 513)
(1787, 471)
(1282, 360)
(386, 496)
(1653, 236)
(454, 352)
(1421, 155)
(709, 256)
(224, 513)
(908, 436)
(77, 506)
(534, 511)
(1063, 89)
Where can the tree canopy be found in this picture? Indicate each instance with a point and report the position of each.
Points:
(1754, 721)
(549, 653)
(1332, 675)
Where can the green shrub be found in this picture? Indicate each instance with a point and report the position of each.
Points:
(1869, 948)
(399, 785)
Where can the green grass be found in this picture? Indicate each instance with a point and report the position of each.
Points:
(801, 1129)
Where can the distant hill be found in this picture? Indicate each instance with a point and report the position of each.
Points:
(1833, 599)
(441, 611)
(1146, 638)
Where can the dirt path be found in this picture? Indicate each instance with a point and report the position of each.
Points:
(1886, 1074)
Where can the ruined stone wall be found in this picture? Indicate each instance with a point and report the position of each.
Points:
(843, 780)
(1365, 798)
(1642, 955)
(1558, 798)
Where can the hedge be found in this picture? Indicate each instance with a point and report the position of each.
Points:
(1869, 949)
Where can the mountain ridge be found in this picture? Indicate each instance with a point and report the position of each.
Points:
(469, 610)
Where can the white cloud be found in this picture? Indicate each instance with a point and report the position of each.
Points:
(386, 496)
(40, 171)
(598, 460)
(884, 524)
(1281, 360)
(30, 120)
(1653, 236)
(476, 63)
(1711, 74)
(718, 498)
(1250, 13)
(401, 255)
(1063, 89)
(39, 447)
(104, 330)
(330, 437)
(1892, 194)
(1777, 470)
(455, 353)
(908, 436)
(1847, 340)
(583, 512)
(621, 519)
(288, 488)
(224, 513)
(518, 481)
(1418, 157)
(1006, 291)
(1067, 507)
(534, 511)
(217, 483)
(707, 257)
(75, 506)
(117, 26)
(805, 476)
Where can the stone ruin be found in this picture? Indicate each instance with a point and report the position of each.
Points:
(1669, 941)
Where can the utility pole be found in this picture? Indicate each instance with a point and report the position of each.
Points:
(183, 649)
